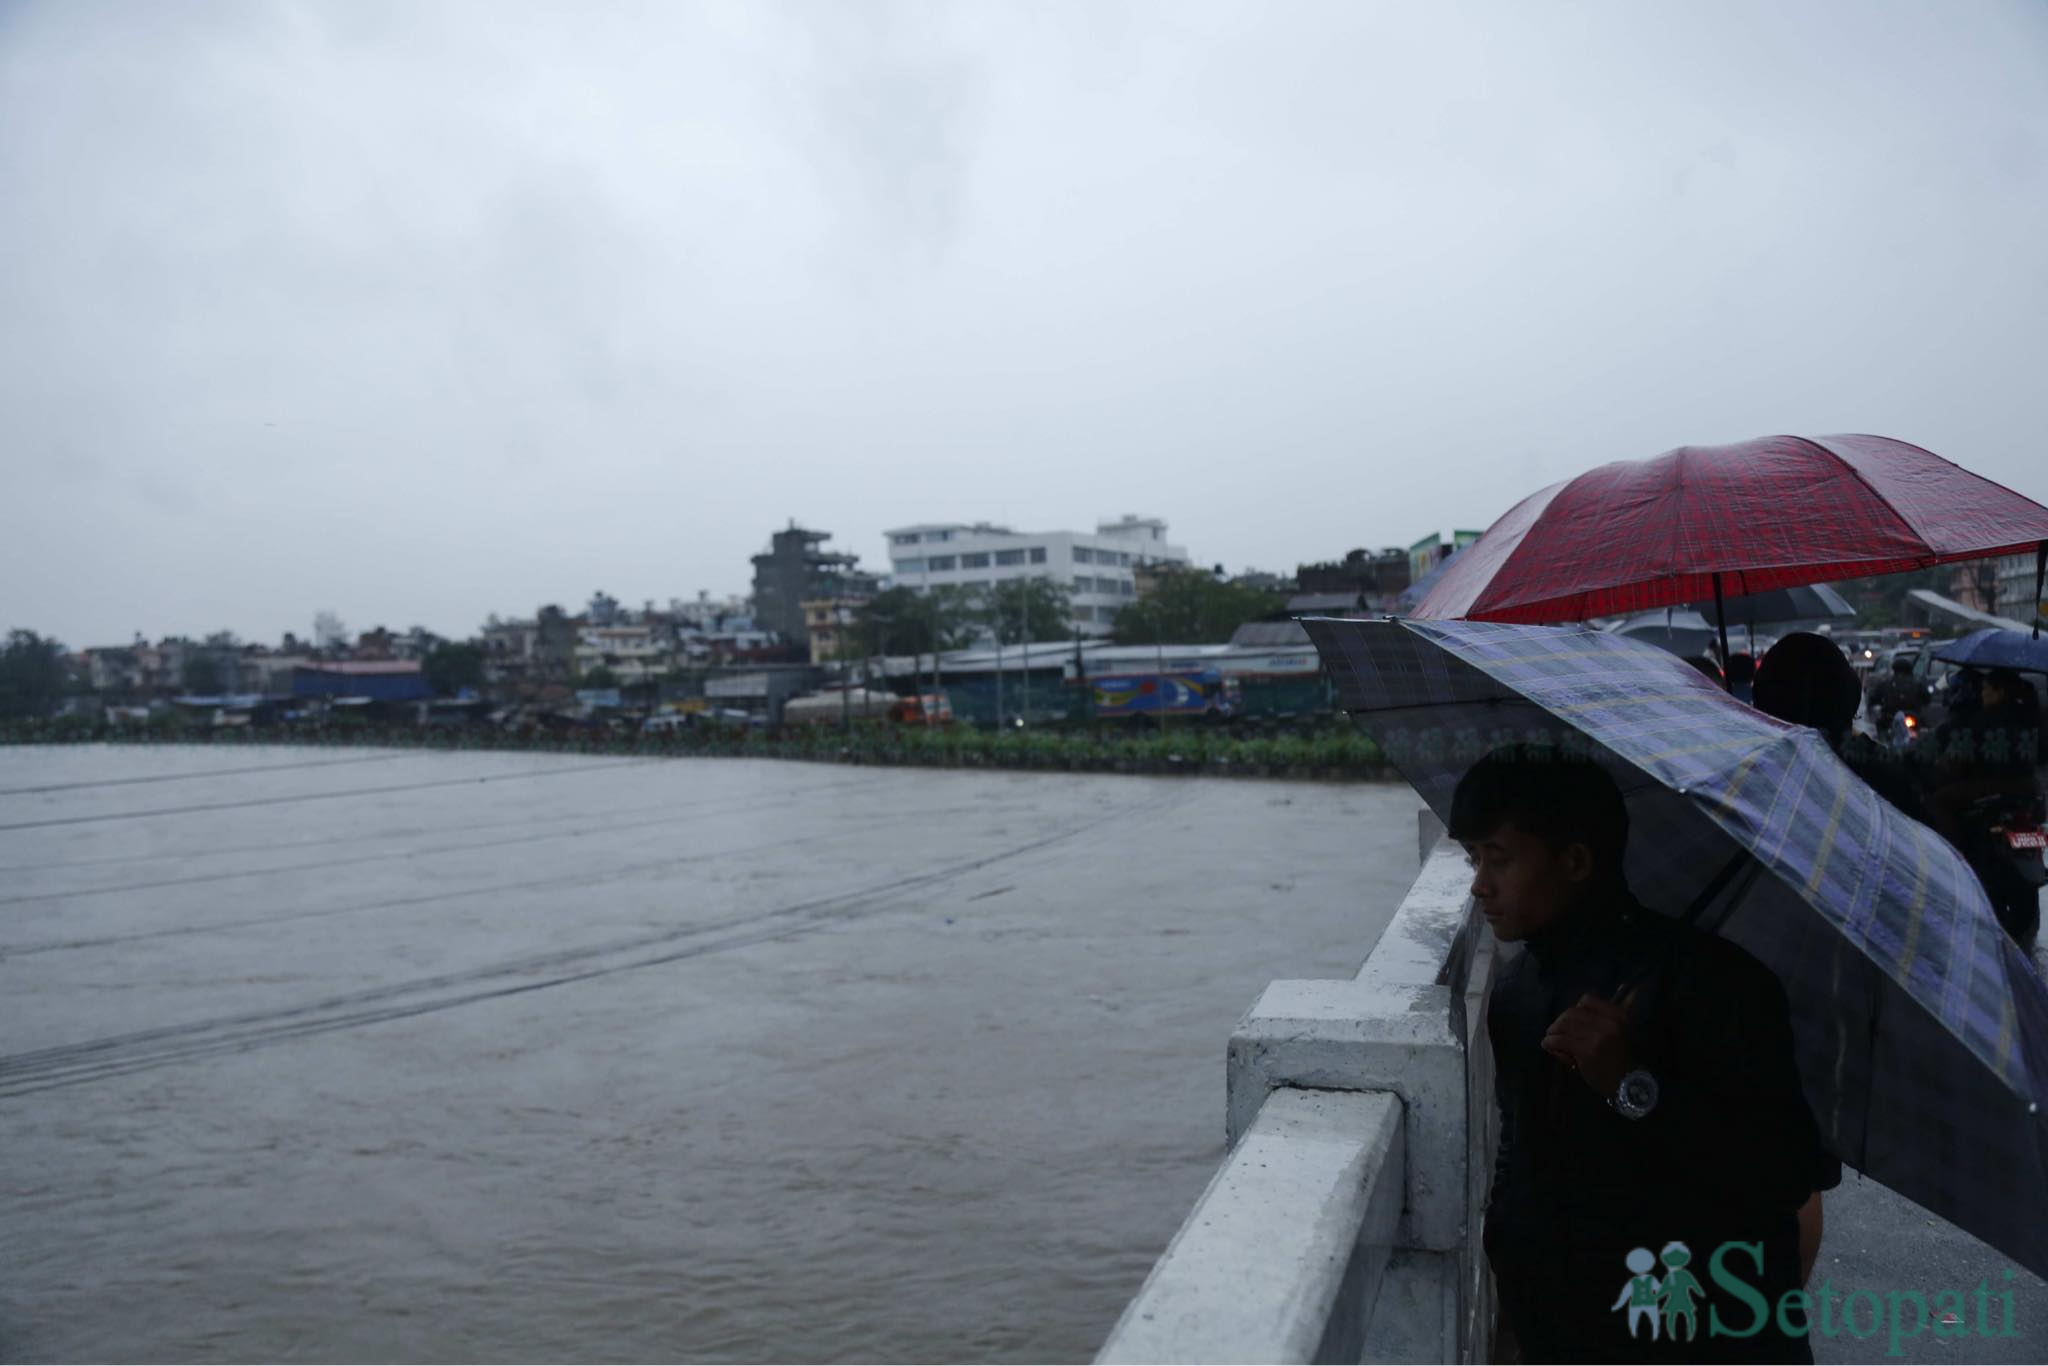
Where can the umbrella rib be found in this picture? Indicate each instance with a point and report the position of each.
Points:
(1882, 501)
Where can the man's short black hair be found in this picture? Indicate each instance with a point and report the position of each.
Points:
(1805, 679)
(1741, 667)
(1559, 797)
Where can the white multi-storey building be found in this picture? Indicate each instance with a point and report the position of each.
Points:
(1096, 569)
(2016, 589)
(634, 654)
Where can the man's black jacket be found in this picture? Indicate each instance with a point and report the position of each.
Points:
(1729, 1153)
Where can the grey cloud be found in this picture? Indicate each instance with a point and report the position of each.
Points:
(426, 311)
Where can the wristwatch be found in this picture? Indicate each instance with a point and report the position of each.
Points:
(1636, 1096)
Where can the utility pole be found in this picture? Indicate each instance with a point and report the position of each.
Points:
(1024, 715)
(1159, 655)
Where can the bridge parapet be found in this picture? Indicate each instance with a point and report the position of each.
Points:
(1322, 1238)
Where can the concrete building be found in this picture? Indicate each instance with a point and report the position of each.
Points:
(118, 670)
(797, 569)
(2016, 588)
(271, 673)
(509, 652)
(523, 655)
(1099, 570)
(633, 653)
(145, 670)
(1379, 574)
(829, 622)
(706, 613)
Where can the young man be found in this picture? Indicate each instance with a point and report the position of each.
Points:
(1646, 1082)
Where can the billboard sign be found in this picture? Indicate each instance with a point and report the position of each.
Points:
(1423, 555)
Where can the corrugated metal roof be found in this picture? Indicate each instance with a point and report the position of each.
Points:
(363, 667)
(1323, 602)
(1268, 635)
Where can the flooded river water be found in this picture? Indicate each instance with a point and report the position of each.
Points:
(331, 1054)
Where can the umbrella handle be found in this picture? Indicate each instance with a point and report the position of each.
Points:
(1692, 913)
(1721, 621)
(2040, 575)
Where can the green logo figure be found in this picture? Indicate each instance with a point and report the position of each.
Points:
(1680, 1286)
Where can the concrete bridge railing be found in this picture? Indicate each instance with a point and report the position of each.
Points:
(1343, 1224)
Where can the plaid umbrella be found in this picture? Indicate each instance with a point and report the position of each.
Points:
(1922, 1029)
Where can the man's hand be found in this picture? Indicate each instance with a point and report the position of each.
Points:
(1591, 1038)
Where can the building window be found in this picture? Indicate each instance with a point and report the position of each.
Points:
(975, 561)
(939, 564)
(1123, 557)
(938, 535)
(1127, 588)
(1083, 584)
(907, 538)
(910, 566)
(1083, 555)
(1009, 557)
(1038, 554)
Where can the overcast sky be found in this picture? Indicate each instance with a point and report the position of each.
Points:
(419, 311)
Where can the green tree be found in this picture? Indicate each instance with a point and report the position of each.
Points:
(600, 677)
(903, 621)
(31, 674)
(201, 676)
(1028, 609)
(1881, 600)
(1189, 607)
(452, 666)
(555, 644)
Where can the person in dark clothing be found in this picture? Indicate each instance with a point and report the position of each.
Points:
(1805, 679)
(1741, 675)
(1896, 692)
(1648, 1092)
(1984, 774)
(1989, 747)
(1999, 736)
(1707, 667)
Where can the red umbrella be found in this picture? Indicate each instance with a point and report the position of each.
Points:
(1704, 521)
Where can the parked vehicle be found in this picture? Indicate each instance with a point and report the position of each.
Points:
(1190, 692)
(923, 709)
(830, 708)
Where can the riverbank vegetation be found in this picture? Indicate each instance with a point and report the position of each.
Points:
(1329, 749)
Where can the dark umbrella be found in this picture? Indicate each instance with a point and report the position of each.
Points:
(1807, 604)
(1998, 649)
(1922, 1030)
(1681, 631)
(1701, 523)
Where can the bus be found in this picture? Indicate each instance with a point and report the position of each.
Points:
(1202, 693)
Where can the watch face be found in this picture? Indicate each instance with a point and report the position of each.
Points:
(1638, 1092)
